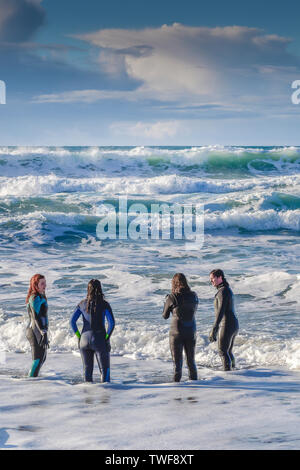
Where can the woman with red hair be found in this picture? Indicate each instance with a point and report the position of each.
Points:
(37, 328)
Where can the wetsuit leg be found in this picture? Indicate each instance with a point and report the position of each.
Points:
(87, 356)
(102, 355)
(230, 351)
(103, 361)
(38, 353)
(189, 345)
(176, 346)
(226, 338)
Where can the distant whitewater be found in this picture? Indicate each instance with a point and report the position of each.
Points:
(50, 199)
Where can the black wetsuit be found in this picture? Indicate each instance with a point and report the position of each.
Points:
(36, 331)
(94, 340)
(226, 323)
(182, 330)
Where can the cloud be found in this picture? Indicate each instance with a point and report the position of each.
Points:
(155, 131)
(137, 97)
(85, 96)
(19, 19)
(197, 64)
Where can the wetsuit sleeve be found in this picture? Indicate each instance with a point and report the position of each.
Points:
(221, 306)
(110, 320)
(73, 321)
(37, 306)
(196, 301)
(168, 307)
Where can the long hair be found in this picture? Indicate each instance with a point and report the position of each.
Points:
(218, 273)
(94, 298)
(33, 286)
(179, 283)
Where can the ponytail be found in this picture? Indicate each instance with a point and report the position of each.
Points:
(219, 273)
(95, 297)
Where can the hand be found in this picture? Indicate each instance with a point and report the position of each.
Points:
(44, 342)
(78, 336)
(213, 336)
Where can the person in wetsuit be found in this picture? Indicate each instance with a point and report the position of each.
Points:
(93, 339)
(182, 302)
(37, 329)
(226, 322)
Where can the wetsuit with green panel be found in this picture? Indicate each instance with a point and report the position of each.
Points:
(37, 331)
(94, 338)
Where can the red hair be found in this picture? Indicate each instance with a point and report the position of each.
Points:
(33, 286)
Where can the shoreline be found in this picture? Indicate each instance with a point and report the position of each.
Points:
(255, 408)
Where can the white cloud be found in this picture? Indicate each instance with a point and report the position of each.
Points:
(155, 131)
(180, 62)
(84, 96)
(197, 72)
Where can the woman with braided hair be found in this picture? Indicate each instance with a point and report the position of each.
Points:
(94, 339)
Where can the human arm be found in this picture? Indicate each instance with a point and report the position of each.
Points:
(221, 303)
(111, 325)
(110, 320)
(73, 321)
(168, 306)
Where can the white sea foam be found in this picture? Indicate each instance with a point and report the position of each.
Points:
(18, 161)
(142, 340)
(144, 150)
(58, 400)
(34, 223)
(50, 205)
(34, 185)
(268, 284)
(253, 221)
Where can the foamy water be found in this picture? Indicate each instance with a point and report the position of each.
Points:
(50, 204)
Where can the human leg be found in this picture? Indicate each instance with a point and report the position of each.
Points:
(176, 346)
(189, 349)
(38, 354)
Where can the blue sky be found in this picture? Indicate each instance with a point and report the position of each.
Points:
(149, 73)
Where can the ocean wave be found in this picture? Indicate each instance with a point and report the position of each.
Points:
(47, 227)
(257, 220)
(268, 284)
(92, 160)
(34, 185)
(143, 341)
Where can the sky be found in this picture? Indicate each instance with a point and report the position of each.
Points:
(131, 72)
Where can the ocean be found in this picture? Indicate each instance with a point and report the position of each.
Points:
(51, 201)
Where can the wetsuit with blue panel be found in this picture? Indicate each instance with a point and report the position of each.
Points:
(94, 339)
(226, 324)
(36, 331)
(182, 335)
